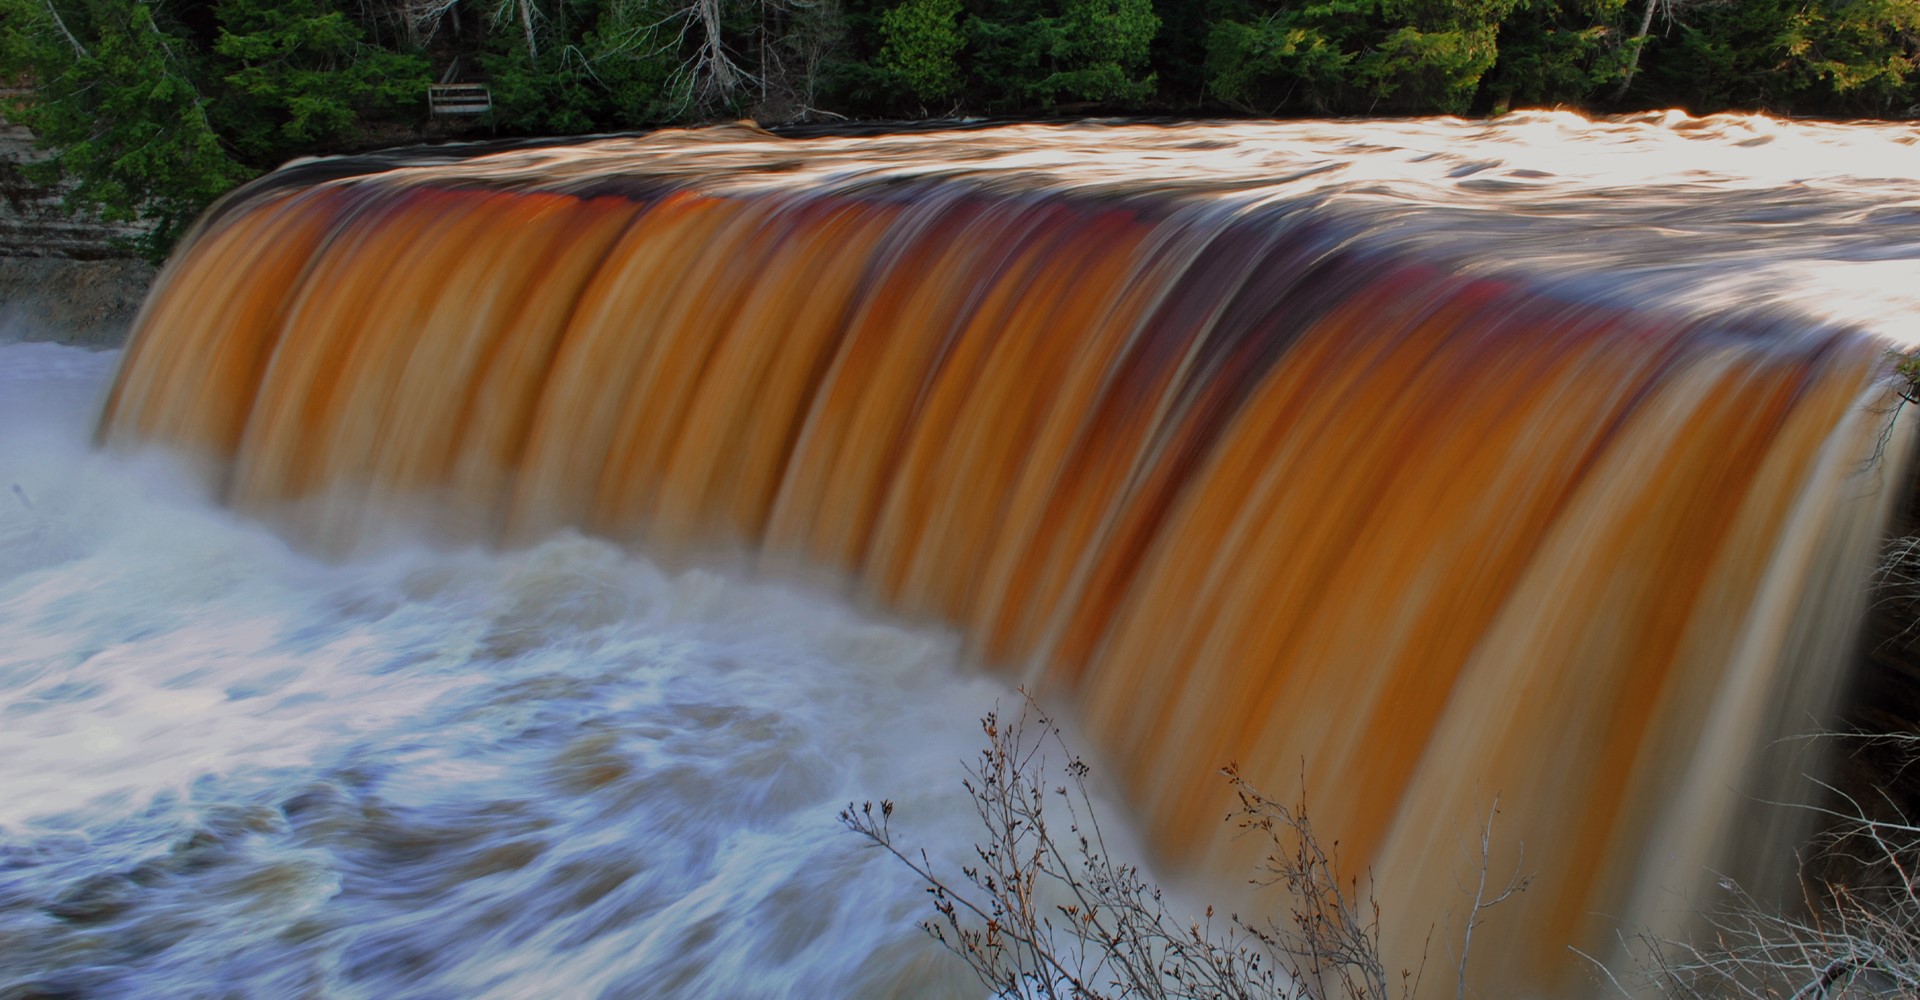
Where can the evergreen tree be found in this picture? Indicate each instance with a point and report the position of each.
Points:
(923, 42)
(1559, 53)
(1355, 56)
(116, 102)
(152, 108)
(299, 78)
(1040, 54)
(1789, 56)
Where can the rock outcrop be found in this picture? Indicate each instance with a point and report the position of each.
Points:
(64, 277)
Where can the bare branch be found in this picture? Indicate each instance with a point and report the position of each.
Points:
(1517, 882)
(1863, 935)
(78, 49)
(1046, 913)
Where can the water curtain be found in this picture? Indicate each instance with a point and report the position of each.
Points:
(1381, 502)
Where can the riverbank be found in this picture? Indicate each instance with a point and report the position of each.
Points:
(64, 278)
(88, 303)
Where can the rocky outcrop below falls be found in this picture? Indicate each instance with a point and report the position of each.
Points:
(67, 278)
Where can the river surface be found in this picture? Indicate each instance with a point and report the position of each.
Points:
(231, 770)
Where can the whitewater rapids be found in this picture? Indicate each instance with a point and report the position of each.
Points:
(233, 770)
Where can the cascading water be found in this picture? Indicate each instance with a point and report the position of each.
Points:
(1424, 463)
(233, 771)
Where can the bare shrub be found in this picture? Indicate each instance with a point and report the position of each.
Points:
(1856, 935)
(1049, 915)
(1896, 585)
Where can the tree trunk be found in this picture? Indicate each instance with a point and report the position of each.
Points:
(1639, 43)
(526, 25)
(78, 49)
(719, 67)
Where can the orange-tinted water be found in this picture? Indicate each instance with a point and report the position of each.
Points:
(1242, 468)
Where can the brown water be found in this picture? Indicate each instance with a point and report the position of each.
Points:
(1424, 463)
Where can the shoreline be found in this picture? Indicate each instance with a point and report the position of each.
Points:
(63, 300)
(65, 279)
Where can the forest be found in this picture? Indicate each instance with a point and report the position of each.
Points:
(152, 108)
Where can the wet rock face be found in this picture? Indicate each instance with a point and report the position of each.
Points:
(67, 278)
(86, 302)
(32, 221)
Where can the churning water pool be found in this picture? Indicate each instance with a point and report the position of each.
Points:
(233, 770)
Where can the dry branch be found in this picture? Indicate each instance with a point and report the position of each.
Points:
(1050, 914)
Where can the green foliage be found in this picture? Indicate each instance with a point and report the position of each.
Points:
(552, 94)
(1352, 56)
(1039, 54)
(1300, 55)
(1860, 49)
(1848, 56)
(811, 44)
(117, 104)
(1904, 374)
(922, 40)
(1559, 53)
(1099, 50)
(152, 108)
(851, 77)
(1439, 68)
(632, 81)
(1004, 54)
(1179, 52)
(299, 77)
(604, 65)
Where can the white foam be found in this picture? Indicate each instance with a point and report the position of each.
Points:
(556, 771)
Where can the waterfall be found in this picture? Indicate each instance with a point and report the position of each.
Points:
(1390, 466)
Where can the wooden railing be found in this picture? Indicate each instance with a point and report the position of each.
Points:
(458, 99)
